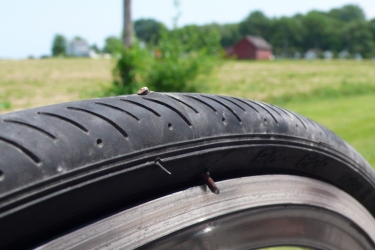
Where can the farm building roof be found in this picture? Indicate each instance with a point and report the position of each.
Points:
(259, 42)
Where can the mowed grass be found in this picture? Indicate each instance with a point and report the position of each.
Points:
(32, 83)
(283, 81)
(337, 94)
(352, 118)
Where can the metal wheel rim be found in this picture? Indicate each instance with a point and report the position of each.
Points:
(186, 218)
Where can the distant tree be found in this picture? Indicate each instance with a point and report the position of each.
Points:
(334, 41)
(359, 38)
(256, 24)
(78, 38)
(113, 45)
(316, 25)
(372, 27)
(298, 16)
(95, 48)
(230, 34)
(148, 30)
(322, 31)
(196, 38)
(348, 13)
(287, 35)
(59, 45)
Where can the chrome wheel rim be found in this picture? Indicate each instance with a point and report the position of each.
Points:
(250, 212)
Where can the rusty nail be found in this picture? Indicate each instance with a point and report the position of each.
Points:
(143, 91)
(210, 183)
(158, 163)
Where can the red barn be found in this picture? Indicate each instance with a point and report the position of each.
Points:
(252, 47)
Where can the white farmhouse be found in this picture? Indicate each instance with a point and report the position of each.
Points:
(78, 48)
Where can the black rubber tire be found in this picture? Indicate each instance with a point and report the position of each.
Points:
(68, 164)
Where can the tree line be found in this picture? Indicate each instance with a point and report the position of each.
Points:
(338, 29)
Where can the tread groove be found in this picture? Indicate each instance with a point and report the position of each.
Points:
(244, 110)
(74, 123)
(119, 129)
(142, 106)
(203, 102)
(322, 128)
(264, 108)
(226, 106)
(23, 149)
(282, 110)
(295, 115)
(316, 125)
(170, 107)
(269, 106)
(32, 127)
(118, 109)
(187, 105)
(309, 121)
(248, 104)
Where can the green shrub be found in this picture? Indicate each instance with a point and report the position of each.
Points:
(177, 63)
(130, 69)
(181, 57)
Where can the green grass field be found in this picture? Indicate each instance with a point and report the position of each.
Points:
(283, 81)
(33, 83)
(337, 94)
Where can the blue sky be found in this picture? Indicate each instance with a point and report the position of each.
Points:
(27, 27)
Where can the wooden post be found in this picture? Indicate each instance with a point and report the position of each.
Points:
(128, 25)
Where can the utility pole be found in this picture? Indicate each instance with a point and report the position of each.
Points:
(128, 25)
